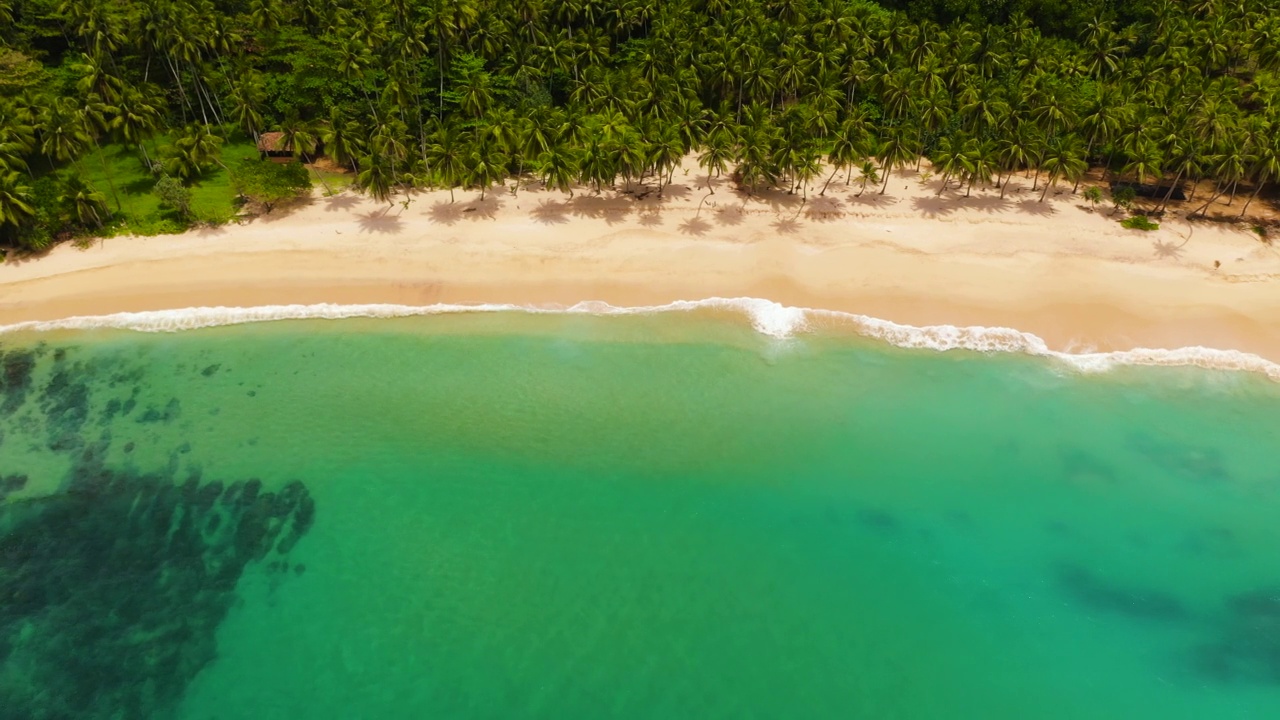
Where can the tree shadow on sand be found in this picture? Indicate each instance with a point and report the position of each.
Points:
(650, 217)
(786, 225)
(675, 191)
(445, 213)
(730, 215)
(824, 209)
(695, 226)
(932, 206)
(551, 212)
(340, 203)
(1167, 250)
(872, 199)
(1037, 208)
(986, 203)
(380, 222)
(596, 207)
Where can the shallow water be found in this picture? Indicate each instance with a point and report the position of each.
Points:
(558, 516)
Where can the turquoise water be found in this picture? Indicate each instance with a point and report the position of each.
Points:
(638, 517)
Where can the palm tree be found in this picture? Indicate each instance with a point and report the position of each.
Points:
(869, 174)
(341, 138)
(558, 167)
(979, 161)
(136, 120)
(1064, 158)
(948, 158)
(716, 156)
(897, 149)
(193, 152)
(89, 204)
(597, 164)
(1266, 168)
(15, 200)
(447, 157)
(486, 164)
(63, 132)
(375, 178)
(850, 146)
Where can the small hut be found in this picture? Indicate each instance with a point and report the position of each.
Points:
(271, 146)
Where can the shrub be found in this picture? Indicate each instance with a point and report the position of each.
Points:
(268, 182)
(1140, 222)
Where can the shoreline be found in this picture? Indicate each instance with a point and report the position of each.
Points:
(1058, 270)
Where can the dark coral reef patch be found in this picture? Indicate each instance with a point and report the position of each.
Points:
(111, 590)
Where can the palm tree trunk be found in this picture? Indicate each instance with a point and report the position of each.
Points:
(1165, 202)
(824, 185)
(1256, 189)
(110, 181)
(1053, 177)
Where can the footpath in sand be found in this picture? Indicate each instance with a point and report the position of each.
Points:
(1059, 268)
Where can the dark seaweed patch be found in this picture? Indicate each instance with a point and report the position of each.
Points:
(209, 371)
(113, 589)
(15, 378)
(878, 520)
(1081, 465)
(65, 402)
(1216, 542)
(10, 484)
(171, 411)
(1095, 592)
(1248, 648)
(1204, 464)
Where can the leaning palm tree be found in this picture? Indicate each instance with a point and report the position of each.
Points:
(869, 174)
(1266, 168)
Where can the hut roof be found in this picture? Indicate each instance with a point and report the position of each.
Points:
(272, 142)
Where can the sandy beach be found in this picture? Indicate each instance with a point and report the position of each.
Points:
(1059, 269)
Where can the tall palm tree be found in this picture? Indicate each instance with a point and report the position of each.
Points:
(447, 156)
(849, 148)
(716, 157)
(341, 138)
(896, 150)
(137, 119)
(486, 163)
(375, 178)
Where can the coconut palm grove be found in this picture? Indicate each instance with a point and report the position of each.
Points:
(146, 116)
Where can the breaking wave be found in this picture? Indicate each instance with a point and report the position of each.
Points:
(767, 317)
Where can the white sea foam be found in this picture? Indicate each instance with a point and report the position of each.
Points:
(767, 317)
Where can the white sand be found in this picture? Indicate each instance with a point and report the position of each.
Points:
(1056, 269)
